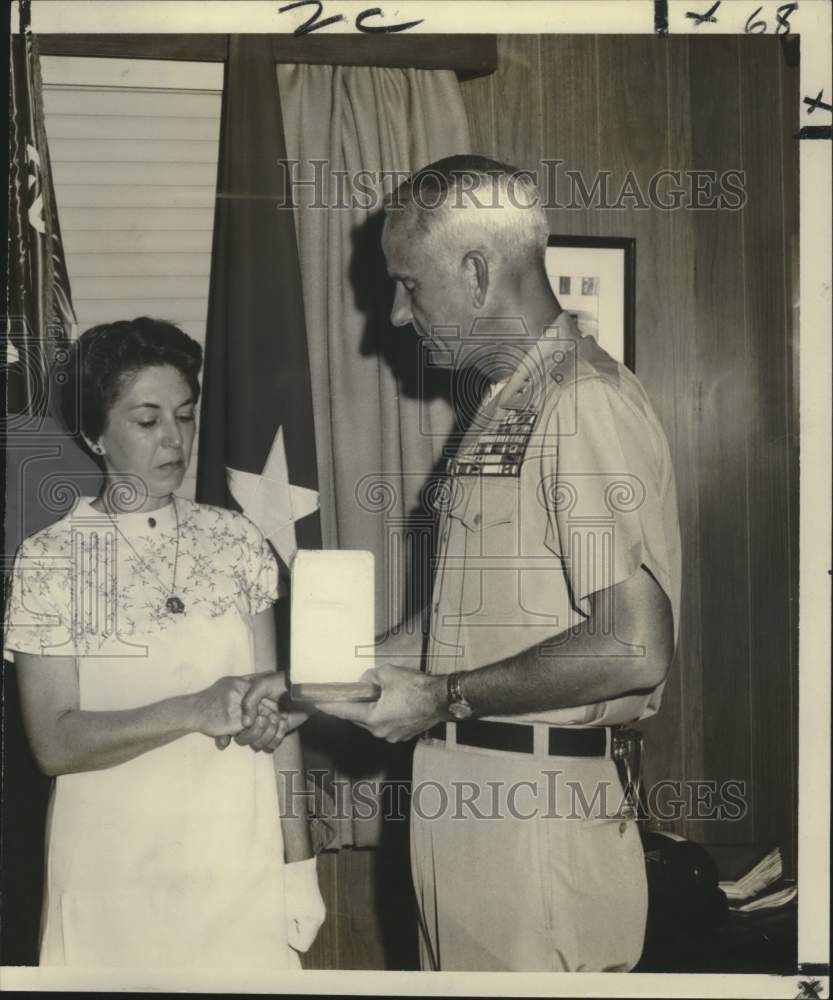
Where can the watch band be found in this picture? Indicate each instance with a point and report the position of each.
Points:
(454, 689)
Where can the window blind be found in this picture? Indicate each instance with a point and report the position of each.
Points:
(134, 146)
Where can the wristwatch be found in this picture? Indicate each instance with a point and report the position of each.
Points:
(459, 708)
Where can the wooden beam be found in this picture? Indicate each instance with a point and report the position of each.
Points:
(186, 48)
(469, 55)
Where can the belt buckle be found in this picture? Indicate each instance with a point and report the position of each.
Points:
(624, 743)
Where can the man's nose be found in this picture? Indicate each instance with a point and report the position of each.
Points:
(400, 313)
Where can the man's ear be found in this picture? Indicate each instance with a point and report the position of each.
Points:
(477, 272)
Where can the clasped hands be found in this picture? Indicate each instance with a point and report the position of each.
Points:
(257, 712)
(253, 709)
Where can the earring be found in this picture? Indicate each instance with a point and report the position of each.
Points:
(98, 449)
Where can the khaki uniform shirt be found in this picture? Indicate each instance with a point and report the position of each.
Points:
(562, 487)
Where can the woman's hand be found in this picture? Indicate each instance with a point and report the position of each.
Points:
(266, 727)
(218, 709)
(268, 715)
(305, 909)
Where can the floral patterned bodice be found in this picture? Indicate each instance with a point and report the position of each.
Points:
(92, 583)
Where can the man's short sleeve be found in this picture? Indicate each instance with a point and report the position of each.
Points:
(39, 605)
(261, 585)
(609, 489)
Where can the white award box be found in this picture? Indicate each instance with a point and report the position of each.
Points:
(332, 625)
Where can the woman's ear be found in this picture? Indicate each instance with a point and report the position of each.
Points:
(477, 272)
(96, 447)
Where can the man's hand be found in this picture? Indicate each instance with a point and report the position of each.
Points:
(267, 716)
(410, 703)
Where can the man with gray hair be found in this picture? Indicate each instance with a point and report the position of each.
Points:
(555, 604)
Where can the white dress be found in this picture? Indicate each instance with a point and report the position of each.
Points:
(175, 858)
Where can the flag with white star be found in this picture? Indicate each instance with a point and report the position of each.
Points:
(257, 443)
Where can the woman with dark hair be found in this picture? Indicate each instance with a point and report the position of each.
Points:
(137, 622)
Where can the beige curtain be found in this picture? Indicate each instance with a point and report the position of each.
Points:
(368, 421)
(380, 428)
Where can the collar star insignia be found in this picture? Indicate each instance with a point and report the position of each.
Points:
(271, 501)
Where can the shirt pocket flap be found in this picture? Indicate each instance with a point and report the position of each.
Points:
(485, 503)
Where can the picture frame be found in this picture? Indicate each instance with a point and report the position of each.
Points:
(594, 278)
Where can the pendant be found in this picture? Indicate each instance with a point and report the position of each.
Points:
(174, 605)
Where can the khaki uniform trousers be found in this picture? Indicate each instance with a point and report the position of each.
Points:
(524, 880)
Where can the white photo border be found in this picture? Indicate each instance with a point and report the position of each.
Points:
(811, 20)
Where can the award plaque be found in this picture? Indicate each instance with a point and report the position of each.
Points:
(332, 626)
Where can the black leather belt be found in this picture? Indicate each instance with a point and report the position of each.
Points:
(518, 737)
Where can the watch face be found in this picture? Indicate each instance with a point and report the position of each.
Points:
(460, 709)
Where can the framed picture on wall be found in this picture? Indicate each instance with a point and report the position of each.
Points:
(594, 278)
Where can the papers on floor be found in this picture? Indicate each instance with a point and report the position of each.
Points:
(767, 871)
(771, 900)
(762, 887)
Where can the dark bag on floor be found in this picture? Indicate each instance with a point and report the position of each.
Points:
(686, 907)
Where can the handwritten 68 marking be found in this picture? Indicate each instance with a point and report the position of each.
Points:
(755, 24)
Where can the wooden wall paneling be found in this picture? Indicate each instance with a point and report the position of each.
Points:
(768, 468)
(478, 98)
(635, 136)
(351, 936)
(681, 334)
(790, 115)
(723, 431)
(325, 950)
(518, 124)
(633, 129)
(570, 125)
(654, 141)
(361, 947)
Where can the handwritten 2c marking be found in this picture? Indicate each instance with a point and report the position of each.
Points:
(315, 21)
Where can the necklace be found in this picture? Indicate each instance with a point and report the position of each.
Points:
(173, 604)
